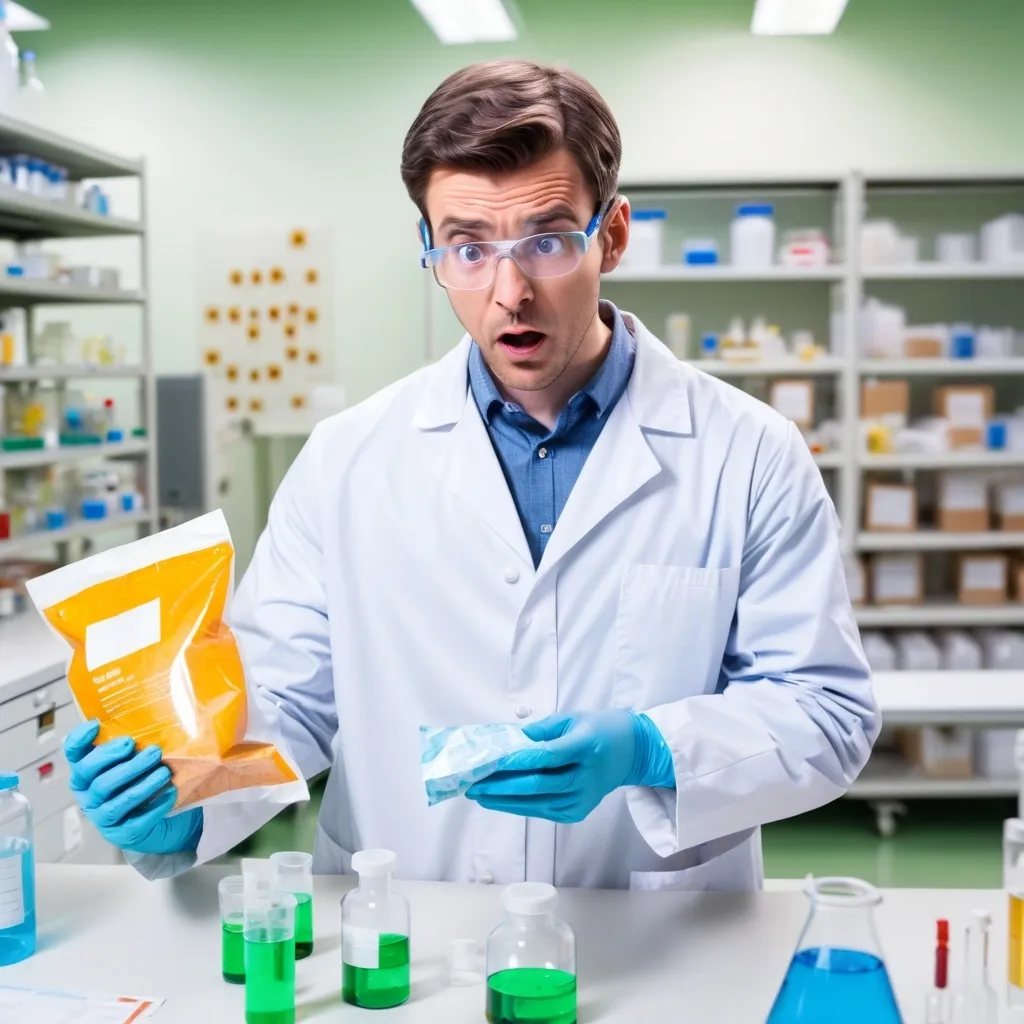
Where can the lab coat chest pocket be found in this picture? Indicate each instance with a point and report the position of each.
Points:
(672, 627)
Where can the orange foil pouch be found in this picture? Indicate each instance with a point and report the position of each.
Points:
(153, 658)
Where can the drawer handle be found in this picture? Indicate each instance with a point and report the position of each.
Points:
(45, 771)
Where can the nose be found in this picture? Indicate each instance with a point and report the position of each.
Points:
(512, 288)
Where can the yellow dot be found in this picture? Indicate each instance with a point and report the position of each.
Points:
(256, 277)
(273, 372)
(312, 276)
(231, 403)
(212, 315)
(312, 357)
(293, 309)
(254, 375)
(276, 275)
(274, 313)
(298, 238)
(231, 372)
(236, 277)
(212, 357)
(253, 332)
(289, 330)
(234, 314)
(255, 404)
(254, 313)
(291, 353)
(312, 315)
(298, 401)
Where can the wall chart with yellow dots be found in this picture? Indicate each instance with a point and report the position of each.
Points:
(267, 333)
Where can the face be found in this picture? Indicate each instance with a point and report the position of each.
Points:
(529, 330)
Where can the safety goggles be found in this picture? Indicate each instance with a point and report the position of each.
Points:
(471, 266)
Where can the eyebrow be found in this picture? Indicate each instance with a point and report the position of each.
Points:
(457, 225)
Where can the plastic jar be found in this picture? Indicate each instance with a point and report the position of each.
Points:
(753, 236)
(531, 959)
(646, 232)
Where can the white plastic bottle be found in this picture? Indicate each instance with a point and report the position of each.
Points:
(752, 236)
(10, 71)
(17, 874)
(31, 94)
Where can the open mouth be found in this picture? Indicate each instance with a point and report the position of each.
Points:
(522, 342)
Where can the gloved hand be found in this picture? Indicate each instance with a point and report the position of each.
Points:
(127, 795)
(584, 757)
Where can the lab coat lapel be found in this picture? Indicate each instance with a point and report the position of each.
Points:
(622, 461)
(463, 456)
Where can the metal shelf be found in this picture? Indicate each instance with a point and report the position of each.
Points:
(940, 614)
(41, 293)
(826, 365)
(908, 785)
(982, 698)
(940, 367)
(73, 453)
(725, 272)
(25, 216)
(80, 159)
(85, 528)
(944, 460)
(945, 272)
(13, 374)
(829, 460)
(937, 540)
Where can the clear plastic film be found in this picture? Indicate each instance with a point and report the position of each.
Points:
(154, 659)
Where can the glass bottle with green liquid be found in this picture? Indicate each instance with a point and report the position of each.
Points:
(531, 960)
(374, 935)
(293, 872)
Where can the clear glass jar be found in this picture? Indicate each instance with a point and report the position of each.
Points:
(374, 935)
(17, 874)
(531, 960)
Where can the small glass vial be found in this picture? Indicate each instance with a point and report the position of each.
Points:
(531, 960)
(374, 935)
(17, 875)
(294, 874)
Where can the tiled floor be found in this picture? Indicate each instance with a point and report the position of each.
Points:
(940, 844)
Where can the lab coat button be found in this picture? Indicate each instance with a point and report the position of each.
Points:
(486, 877)
(511, 574)
(523, 711)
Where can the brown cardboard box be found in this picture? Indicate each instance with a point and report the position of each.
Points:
(880, 398)
(794, 399)
(890, 507)
(897, 579)
(963, 503)
(965, 437)
(1017, 580)
(965, 405)
(1009, 505)
(940, 752)
(922, 348)
(983, 579)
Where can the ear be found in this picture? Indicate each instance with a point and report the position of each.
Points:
(616, 235)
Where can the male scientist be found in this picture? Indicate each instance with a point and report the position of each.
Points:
(558, 524)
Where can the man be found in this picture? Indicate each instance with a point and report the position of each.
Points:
(557, 524)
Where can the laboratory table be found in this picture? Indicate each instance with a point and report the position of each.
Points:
(644, 957)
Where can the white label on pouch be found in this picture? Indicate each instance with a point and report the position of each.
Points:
(360, 947)
(123, 634)
(12, 897)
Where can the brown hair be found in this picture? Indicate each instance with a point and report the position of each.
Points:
(504, 115)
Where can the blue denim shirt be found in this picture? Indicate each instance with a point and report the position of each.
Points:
(541, 466)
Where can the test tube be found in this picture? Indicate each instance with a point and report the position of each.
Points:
(269, 934)
(293, 872)
(231, 892)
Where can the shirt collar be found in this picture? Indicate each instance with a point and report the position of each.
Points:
(604, 389)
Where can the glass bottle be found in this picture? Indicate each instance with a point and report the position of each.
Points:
(837, 974)
(17, 874)
(375, 935)
(531, 960)
(10, 72)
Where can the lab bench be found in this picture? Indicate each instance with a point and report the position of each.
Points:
(642, 956)
(36, 713)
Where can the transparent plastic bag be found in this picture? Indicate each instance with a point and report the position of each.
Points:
(452, 758)
(154, 659)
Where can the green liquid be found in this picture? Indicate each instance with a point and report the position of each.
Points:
(303, 925)
(531, 995)
(232, 952)
(383, 986)
(269, 979)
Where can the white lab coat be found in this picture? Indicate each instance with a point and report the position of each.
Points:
(694, 574)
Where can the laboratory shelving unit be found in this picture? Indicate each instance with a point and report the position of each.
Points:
(979, 699)
(24, 217)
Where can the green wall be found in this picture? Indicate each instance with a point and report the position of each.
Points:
(280, 112)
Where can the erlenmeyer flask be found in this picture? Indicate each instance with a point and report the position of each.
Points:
(837, 975)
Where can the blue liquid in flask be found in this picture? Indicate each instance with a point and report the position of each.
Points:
(17, 901)
(835, 986)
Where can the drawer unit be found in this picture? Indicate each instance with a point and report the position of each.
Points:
(45, 785)
(30, 705)
(37, 738)
(59, 836)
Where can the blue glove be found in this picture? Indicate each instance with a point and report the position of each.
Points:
(128, 795)
(584, 757)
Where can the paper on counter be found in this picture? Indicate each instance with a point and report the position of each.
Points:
(18, 1005)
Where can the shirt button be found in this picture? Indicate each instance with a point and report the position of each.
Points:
(511, 574)
(487, 877)
(542, 453)
(523, 711)
(546, 528)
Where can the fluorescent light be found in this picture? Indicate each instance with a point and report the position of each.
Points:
(467, 21)
(796, 17)
(21, 19)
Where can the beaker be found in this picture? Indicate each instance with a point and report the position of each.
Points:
(269, 934)
(231, 895)
(294, 874)
(837, 974)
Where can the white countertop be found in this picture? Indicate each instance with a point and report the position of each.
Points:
(643, 957)
(30, 655)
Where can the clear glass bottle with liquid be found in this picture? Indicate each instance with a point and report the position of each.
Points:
(837, 973)
(375, 935)
(17, 874)
(10, 71)
(531, 960)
